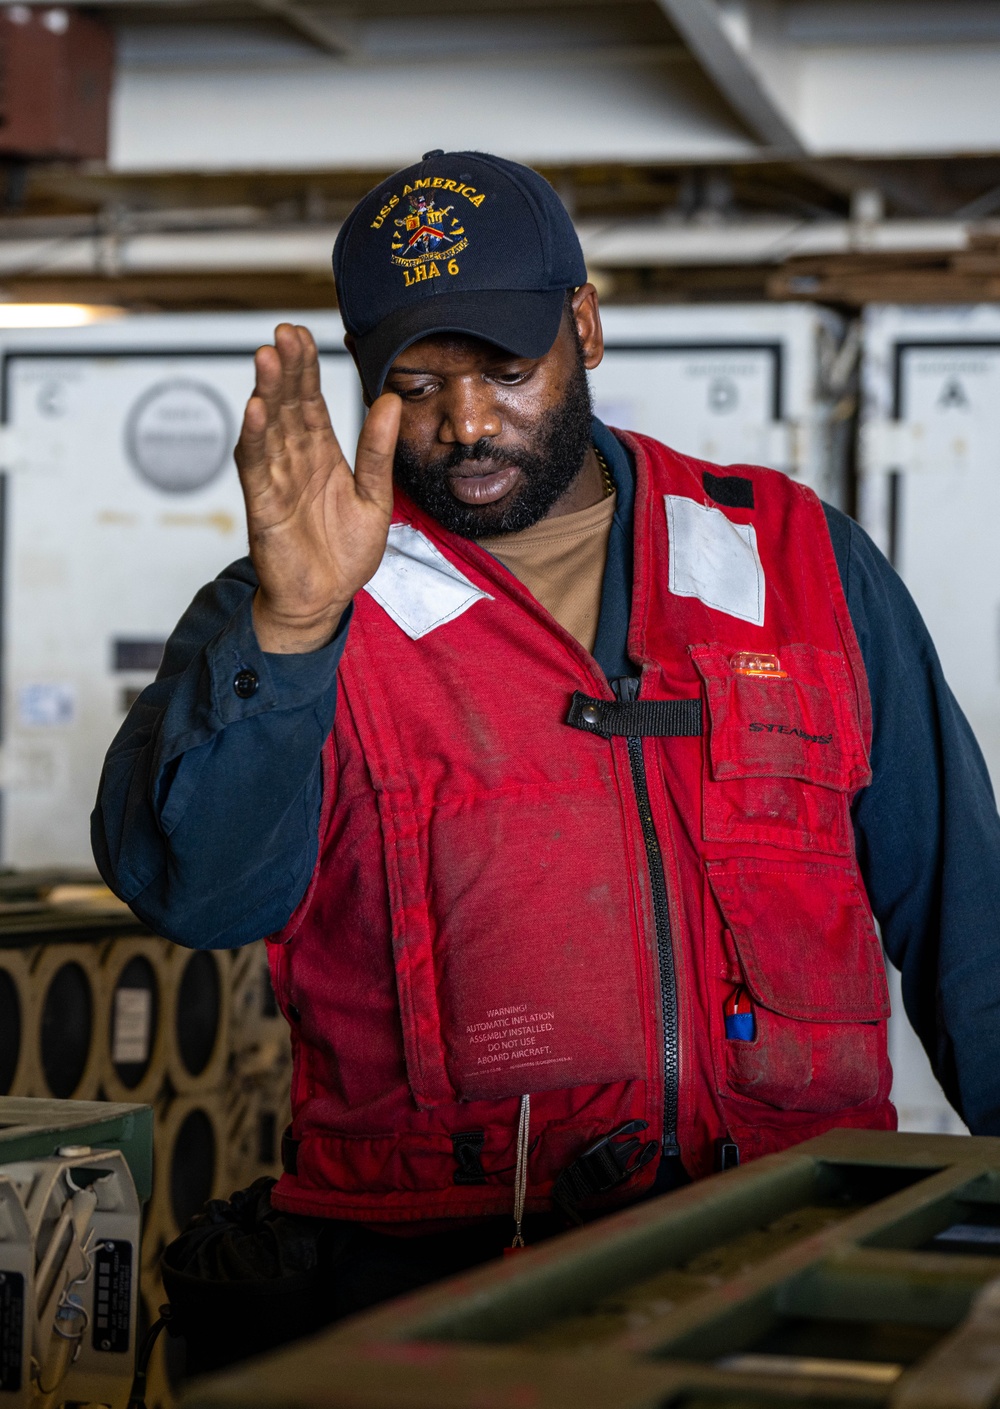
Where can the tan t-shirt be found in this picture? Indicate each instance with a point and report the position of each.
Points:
(561, 562)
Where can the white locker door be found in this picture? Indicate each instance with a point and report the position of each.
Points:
(945, 501)
(717, 402)
(121, 500)
(932, 496)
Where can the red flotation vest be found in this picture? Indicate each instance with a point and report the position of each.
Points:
(643, 913)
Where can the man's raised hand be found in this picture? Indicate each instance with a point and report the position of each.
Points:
(317, 531)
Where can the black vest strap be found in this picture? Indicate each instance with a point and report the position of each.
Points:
(289, 1152)
(665, 719)
(603, 1166)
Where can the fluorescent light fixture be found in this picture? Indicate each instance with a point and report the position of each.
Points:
(55, 315)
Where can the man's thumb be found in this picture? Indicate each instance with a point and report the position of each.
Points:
(377, 448)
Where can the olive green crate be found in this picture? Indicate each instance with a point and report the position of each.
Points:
(860, 1268)
(32, 1128)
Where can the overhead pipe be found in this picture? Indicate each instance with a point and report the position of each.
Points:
(607, 244)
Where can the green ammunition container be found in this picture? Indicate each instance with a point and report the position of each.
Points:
(861, 1268)
(33, 1128)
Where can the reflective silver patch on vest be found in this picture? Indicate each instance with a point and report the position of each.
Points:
(417, 585)
(714, 559)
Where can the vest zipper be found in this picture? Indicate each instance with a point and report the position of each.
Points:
(627, 689)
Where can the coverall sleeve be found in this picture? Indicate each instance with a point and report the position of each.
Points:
(207, 815)
(928, 836)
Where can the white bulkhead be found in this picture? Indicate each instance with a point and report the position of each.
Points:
(755, 384)
(121, 499)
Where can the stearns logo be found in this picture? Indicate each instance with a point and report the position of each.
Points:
(427, 236)
(757, 728)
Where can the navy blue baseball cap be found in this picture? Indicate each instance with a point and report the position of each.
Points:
(463, 242)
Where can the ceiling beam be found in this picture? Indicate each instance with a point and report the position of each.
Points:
(729, 64)
(331, 34)
(326, 34)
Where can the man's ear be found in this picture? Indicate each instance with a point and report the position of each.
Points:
(352, 347)
(587, 315)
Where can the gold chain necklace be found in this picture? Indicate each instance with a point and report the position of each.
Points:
(606, 475)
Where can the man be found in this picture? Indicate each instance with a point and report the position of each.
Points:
(564, 780)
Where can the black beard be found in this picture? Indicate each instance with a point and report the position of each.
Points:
(548, 468)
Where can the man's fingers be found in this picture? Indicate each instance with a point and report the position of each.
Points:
(314, 411)
(279, 374)
(286, 428)
(290, 351)
(267, 388)
(251, 449)
(267, 369)
(377, 447)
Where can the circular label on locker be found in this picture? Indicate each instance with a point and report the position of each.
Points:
(723, 395)
(179, 435)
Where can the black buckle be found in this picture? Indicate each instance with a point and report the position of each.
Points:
(602, 1167)
(289, 1151)
(467, 1148)
(727, 1154)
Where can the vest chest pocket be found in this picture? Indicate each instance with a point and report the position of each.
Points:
(517, 968)
(784, 752)
(804, 947)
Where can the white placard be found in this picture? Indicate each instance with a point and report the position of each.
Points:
(714, 559)
(133, 1025)
(417, 585)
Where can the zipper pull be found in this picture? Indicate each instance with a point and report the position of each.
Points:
(626, 688)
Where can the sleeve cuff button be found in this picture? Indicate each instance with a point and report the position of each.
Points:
(246, 683)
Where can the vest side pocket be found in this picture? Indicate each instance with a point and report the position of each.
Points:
(810, 959)
(784, 752)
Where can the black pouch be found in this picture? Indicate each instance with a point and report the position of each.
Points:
(244, 1277)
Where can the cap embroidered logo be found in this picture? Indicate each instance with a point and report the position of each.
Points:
(428, 235)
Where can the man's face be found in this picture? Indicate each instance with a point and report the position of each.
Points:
(491, 443)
